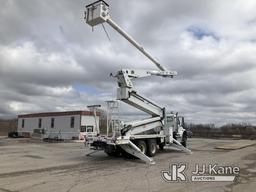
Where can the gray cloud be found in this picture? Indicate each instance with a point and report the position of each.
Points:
(50, 60)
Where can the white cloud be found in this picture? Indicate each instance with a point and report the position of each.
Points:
(44, 54)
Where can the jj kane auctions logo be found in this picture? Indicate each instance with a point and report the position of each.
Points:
(205, 173)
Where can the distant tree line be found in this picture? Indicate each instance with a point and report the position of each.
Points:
(238, 130)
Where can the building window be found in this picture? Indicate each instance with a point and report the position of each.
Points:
(39, 123)
(89, 128)
(23, 123)
(72, 122)
(83, 129)
(86, 128)
(52, 122)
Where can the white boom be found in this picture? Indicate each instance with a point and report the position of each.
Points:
(98, 13)
(134, 137)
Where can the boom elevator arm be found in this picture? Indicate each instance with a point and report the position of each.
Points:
(98, 13)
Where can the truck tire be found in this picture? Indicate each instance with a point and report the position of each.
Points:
(141, 145)
(151, 147)
(112, 151)
(184, 140)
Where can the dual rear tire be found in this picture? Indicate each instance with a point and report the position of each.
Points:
(147, 147)
(113, 151)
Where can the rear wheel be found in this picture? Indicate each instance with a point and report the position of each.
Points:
(141, 145)
(112, 151)
(151, 147)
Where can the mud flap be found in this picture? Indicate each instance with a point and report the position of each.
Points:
(132, 149)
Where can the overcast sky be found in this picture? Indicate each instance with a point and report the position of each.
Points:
(50, 60)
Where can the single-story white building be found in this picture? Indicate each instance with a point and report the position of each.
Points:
(61, 125)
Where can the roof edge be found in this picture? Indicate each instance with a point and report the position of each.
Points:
(64, 113)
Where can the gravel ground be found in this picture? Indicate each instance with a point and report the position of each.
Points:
(26, 165)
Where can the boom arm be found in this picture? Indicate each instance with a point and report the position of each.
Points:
(154, 127)
(134, 43)
(98, 13)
